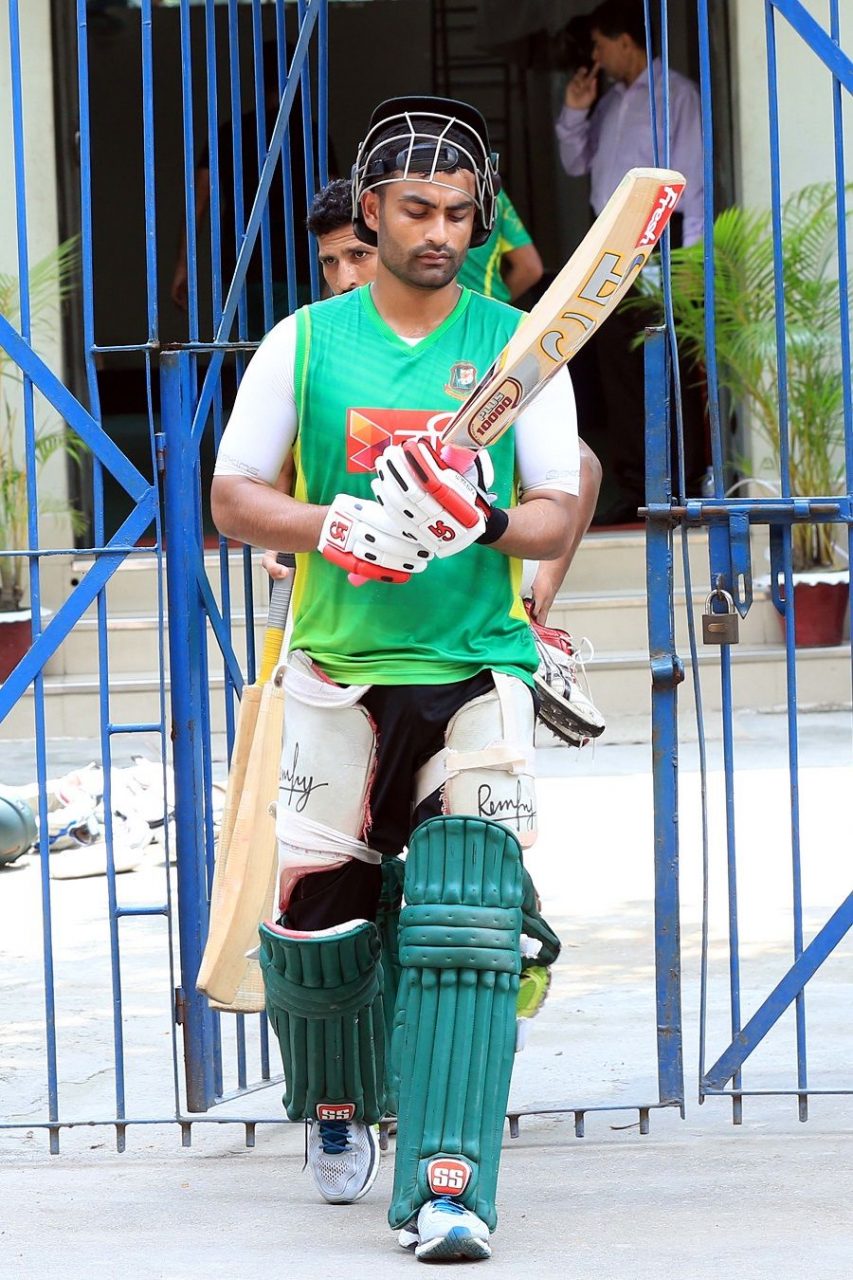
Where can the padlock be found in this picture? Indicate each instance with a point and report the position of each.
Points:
(720, 628)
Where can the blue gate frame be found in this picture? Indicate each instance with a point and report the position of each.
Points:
(192, 404)
(173, 493)
(728, 522)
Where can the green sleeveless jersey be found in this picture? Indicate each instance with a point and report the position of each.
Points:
(359, 387)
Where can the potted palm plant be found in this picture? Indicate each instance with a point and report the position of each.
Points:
(50, 282)
(745, 335)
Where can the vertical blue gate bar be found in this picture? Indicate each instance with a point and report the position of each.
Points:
(667, 673)
(260, 105)
(236, 162)
(323, 94)
(189, 170)
(35, 595)
(308, 138)
(843, 283)
(185, 639)
(147, 73)
(286, 175)
(785, 481)
(731, 862)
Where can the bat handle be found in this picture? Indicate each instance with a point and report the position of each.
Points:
(277, 618)
(281, 591)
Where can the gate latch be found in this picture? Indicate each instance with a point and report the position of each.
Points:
(720, 626)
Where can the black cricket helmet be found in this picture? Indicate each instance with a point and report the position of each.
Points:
(423, 137)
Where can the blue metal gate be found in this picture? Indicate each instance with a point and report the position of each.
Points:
(235, 40)
(222, 50)
(792, 343)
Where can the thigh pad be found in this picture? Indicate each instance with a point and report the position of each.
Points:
(486, 767)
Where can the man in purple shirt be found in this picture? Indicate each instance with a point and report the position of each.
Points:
(605, 139)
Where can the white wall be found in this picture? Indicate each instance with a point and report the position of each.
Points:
(38, 121)
(41, 196)
(805, 103)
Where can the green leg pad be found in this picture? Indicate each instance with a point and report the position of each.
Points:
(454, 1027)
(324, 1000)
(535, 926)
(388, 924)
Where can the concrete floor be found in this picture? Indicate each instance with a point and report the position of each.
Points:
(769, 1199)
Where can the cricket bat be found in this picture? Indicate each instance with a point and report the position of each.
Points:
(588, 289)
(244, 878)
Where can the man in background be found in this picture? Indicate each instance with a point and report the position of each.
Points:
(508, 264)
(605, 137)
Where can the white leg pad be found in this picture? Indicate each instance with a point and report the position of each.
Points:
(327, 764)
(486, 767)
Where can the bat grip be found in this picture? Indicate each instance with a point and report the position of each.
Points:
(282, 589)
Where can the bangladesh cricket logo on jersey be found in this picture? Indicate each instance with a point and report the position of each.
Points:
(370, 431)
(462, 380)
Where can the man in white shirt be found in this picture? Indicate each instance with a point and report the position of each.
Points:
(604, 137)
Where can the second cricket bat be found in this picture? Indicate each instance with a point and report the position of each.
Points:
(244, 879)
(587, 290)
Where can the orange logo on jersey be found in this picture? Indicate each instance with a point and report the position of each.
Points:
(370, 431)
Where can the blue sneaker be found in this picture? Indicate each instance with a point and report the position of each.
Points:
(445, 1231)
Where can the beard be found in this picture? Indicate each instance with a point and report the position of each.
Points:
(425, 267)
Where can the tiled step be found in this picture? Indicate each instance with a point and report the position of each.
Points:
(133, 644)
(133, 588)
(618, 621)
(72, 705)
(603, 598)
(608, 562)
(616, 561)
(620, 685)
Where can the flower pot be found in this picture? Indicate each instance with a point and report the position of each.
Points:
(820, 607)
(16, 636)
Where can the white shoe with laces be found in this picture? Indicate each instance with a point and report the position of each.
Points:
(565, 705)
(445, 1231)
(343, 1159)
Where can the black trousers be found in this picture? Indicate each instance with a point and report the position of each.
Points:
(410, 723)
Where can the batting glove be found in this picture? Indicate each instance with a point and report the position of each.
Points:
(359, 536)
(430, 501)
